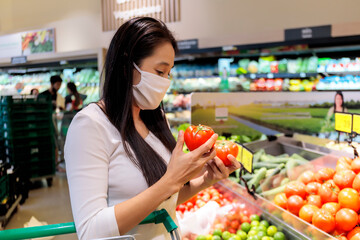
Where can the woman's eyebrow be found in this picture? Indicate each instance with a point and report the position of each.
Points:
(165, 63)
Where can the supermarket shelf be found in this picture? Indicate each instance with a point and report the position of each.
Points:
(278, 75)
(355, 73)
(258, 75)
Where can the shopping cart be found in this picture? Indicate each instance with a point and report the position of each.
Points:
(160, 216)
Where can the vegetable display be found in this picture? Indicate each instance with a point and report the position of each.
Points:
(327, 198)
(234, 220)
(270, 172)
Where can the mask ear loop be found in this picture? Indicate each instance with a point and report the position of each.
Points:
(137, 68)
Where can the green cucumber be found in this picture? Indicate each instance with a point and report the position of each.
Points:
(273, 191)
(265, 164)
(247, 177)
(297, 156)
(277, 160)
(269, 178)
(258, 155)
(290, 164)
(255, 181)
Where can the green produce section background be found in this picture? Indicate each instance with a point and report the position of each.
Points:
(253, 114)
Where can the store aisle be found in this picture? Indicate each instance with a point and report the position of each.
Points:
(48, 204)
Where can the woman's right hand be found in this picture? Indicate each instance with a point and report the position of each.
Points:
(185, 166)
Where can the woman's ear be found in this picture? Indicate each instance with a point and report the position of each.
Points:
(136, 77)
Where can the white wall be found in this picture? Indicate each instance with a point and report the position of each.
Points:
(77, 22)
(213, 22)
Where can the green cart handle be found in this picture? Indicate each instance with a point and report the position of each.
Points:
(160, 216)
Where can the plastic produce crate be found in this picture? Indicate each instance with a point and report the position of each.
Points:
(4, 187)
(31, 142)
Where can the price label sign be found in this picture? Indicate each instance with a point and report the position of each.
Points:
(343, 122)
(356, 123)
(245, 157)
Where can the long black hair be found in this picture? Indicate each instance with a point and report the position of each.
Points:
(74, 91)
(135, 40)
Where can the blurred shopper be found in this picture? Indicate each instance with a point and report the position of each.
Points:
(122, 161)
(52, 92)
(73, 100)
(58, 102)
(34, 92)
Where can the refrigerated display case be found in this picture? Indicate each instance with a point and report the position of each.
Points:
(292, 226)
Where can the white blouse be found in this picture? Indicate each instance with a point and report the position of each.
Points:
(100, 175)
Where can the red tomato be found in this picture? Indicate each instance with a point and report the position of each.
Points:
(195, 136)
(232, 230)
(329, 192)
(281, 200)
(346, 160)
(342, 166)
(349, 198)
(353, 232)
(295, 188)
(182, 208)
(245, 219)
(344, 179)
(331, 207)
(339, 233)
(307, 211)
(307, 177)
(324, 220)
(324, 174)
(224, 148)
(355, 237)
(234, 224)
(314, 200)
(232, 215)
(356, 183)
(341, 237)
(355, 165)
(312, 188)
(346, 219)
(294, 204)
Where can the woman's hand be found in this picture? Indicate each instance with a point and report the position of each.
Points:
(185, 166)
(215, 170)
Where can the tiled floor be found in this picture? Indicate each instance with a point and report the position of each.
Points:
(47, 204)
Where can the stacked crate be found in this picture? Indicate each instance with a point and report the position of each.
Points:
(28, 136)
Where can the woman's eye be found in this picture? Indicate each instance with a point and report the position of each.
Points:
(160, 73)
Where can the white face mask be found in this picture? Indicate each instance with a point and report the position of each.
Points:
(151, 89)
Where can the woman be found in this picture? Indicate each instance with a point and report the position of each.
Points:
(73, 101)
(122, 162)
(329, 123)
(34, 92)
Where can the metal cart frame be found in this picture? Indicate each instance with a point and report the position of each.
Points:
(160, 216)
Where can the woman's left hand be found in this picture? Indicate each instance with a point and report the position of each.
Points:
(215, 170)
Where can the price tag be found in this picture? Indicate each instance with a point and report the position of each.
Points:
(245, 157)
(270, 75)
(356, 123)
(343, 122)
(252, 76)
(302, 75)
